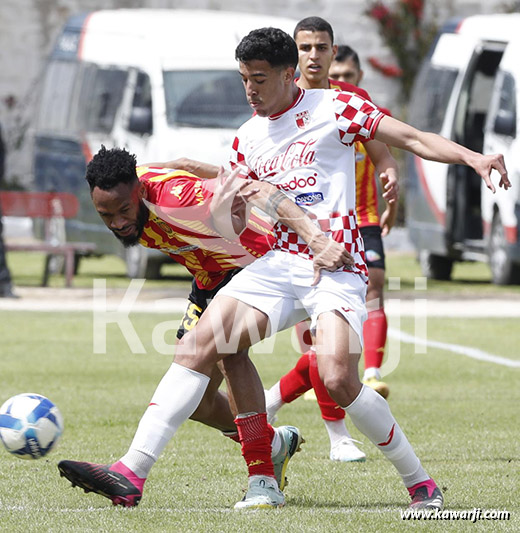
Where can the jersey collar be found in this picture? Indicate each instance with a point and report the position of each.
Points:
(295, 102)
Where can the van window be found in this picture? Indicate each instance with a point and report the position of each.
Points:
(58, 88)
(507, 101)
(101, 94)
(212, 99)
(431, 96)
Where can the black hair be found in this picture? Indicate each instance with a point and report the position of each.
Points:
(314, 24)
(268, 44)
(109, 168)
(346, 52)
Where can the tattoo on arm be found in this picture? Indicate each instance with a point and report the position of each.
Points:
(273, 202)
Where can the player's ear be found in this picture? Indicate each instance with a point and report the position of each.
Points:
(141, 191)
(289, 74)
(334, 51)
(361, 75)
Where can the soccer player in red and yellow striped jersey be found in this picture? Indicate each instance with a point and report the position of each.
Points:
(180, 224)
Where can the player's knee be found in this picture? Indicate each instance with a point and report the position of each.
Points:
(191, 350)
(340, 383)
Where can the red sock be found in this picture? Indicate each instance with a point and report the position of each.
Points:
(330, 410)
(256, 436)
(304, 336)
(297, 381)
(233, 435)
(374, 338)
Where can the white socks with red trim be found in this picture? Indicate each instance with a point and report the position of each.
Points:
(371, 414)
(174, 401)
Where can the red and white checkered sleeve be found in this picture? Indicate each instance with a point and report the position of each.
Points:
(238, 159)
(357, 118)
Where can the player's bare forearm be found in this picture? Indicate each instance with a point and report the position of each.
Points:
(436, 148)
(386, 169)
(328, 254)
(199, 168)
(388, 218)
(279, 207)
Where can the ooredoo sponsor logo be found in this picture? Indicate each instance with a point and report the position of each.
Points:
(298, 183)
(309, 198)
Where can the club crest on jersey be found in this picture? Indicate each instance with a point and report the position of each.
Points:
(302, 119)
(177, 191)
(164, 226)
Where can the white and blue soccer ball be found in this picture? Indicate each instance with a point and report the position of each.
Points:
(30, 425)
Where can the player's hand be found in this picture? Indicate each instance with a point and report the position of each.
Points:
(390, 186)
(486, 163)
(328, 255)
(387, 222)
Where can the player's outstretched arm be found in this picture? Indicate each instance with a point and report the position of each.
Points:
(199, 168)
(436, 148)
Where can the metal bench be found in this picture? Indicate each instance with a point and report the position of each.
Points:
(52, 208)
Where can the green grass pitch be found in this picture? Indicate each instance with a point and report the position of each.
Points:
(461, 415)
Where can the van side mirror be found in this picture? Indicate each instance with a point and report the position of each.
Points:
(141, 120)
(505, 123)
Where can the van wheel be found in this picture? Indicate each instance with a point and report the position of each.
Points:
(503, 270)
(435, 266)
(140, 265)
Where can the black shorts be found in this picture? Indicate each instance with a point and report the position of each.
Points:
(199, 301)
(374, 250)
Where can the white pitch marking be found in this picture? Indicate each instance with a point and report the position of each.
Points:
(474, 353)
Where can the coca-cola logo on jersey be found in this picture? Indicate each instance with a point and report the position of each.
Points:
(298, 154)
(298, 183)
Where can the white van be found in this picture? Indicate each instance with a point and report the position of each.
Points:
(162, 83)
(467, 91)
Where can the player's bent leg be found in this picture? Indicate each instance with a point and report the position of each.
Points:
(369, 411)
(337, 355)
(175, 400)
(229, 327)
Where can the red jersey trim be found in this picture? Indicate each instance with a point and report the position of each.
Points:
(296, 101)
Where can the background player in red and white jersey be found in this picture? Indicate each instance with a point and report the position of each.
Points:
(316, 52)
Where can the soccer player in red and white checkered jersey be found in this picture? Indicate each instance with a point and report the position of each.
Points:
(317, 52)
(302, 141)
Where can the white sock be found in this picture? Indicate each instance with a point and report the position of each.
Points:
(174, 401)
(371, 414)
(273, 401)
(372, 372)
(276, 443)
(337, 431)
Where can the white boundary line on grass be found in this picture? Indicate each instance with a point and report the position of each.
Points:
(473, 353)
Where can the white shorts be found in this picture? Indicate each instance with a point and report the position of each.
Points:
(279, 285)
